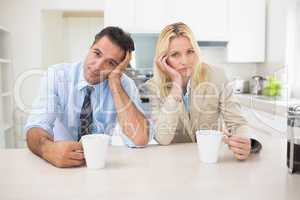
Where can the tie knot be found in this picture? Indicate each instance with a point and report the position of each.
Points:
(89, 90)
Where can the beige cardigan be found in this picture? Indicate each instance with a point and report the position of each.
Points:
(212, 105)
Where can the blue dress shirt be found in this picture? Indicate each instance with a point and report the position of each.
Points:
(58, 106)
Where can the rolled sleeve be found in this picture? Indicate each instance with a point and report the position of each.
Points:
(128, 142)
(45, 108)
(119, 138)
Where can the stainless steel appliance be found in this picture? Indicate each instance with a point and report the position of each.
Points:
(240, 86)
(257, 84)
(293, 139)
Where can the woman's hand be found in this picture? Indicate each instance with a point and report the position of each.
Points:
(175, 76)
(240, 146)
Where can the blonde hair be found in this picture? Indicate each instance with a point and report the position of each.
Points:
(167, 34)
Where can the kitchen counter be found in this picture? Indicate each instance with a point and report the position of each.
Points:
(275, 106)
(156, 172)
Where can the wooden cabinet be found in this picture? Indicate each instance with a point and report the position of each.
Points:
(246, 31)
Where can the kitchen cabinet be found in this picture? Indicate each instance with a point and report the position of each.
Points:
(136, 16)
(240, 23)
(207, 19)
(120, 13)
(150, 16)
(265, 122)
(6, 94)
(247, 21)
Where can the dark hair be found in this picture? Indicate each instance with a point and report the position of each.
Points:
(117, 36)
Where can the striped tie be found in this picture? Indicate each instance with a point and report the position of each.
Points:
(86, 115)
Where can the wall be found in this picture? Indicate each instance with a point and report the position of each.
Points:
(217, 56)
(145, 45)
(296, 89)
(79, 34)
(293, 47)
(74, 5)
(52, 38)
(275, 37)
(73, 35)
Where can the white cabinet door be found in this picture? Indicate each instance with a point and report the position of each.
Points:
(208, 19)
(265, 122)
(120, 13)
(150, 16)
(246, 31)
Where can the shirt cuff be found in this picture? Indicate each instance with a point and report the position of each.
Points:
(117, 131)
(48, 129)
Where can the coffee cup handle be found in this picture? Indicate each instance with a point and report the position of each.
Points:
(223, 138)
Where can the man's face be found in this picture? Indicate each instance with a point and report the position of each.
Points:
(103, 57)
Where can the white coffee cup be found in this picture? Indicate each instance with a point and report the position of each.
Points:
(209, 143)
(95, 150)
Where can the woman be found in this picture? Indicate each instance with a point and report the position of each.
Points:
(187, 95)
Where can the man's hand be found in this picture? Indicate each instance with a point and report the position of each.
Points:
(64, 154)
(116, 74)
(240, 146)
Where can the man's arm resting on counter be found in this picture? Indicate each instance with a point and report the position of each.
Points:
(133, 122)
(37, 141)
(60, 154)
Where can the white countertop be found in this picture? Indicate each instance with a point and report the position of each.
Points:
(156, 172)
(270, 105)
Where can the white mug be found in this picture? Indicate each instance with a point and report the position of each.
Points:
(95, 150)
(209, 143)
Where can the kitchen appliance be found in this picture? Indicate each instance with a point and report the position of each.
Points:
(257, 84)
(293, 139)
(240, 86)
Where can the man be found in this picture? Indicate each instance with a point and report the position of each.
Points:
(87, 98)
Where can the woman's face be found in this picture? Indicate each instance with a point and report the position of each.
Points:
(182, 56)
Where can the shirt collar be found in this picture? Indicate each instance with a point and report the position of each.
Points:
(82, 83)
(188, 87)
